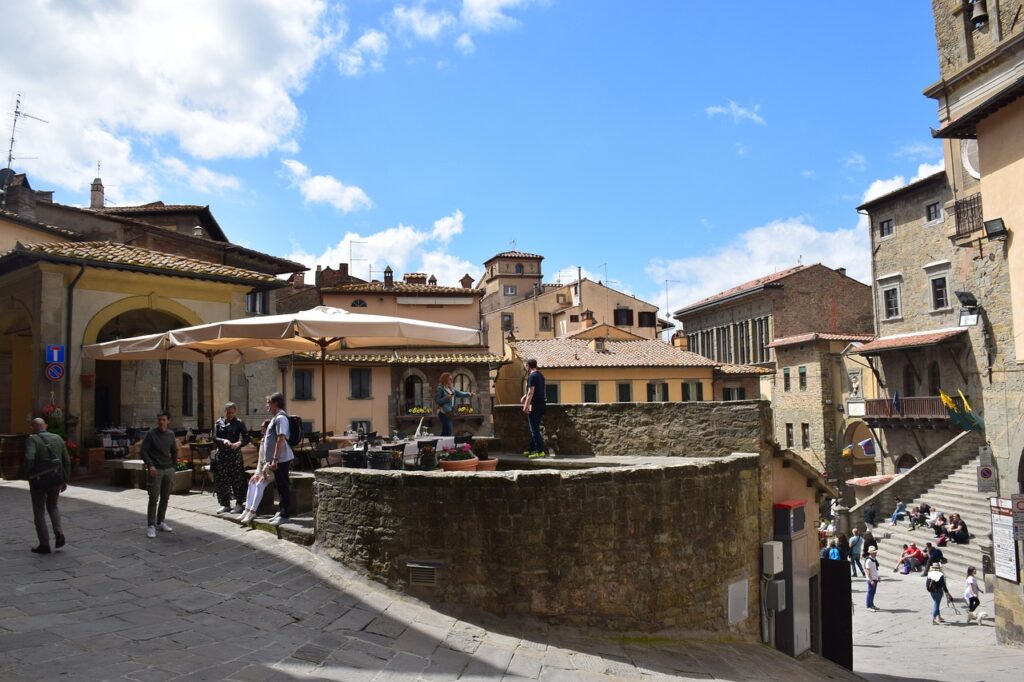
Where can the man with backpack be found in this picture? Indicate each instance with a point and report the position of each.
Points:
(47, 464)
(279, 455)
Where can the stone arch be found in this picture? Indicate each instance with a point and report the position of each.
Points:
(905, 462)
(151, 302)
(856, 432)
(408, 379)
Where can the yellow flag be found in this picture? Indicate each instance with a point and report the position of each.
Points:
(947, 401)
(967, 405)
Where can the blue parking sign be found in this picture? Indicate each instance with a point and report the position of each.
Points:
(55, 353)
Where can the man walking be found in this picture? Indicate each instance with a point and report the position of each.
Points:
(872, 575)
(856, 546)
(159, 450)
(47, 463)
(534, 404)
(231, 436)
(279, 456)
(869, 516)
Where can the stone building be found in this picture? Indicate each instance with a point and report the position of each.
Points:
(980, 97)
(517, 303)
(74, 276)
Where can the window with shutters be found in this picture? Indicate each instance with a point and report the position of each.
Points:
(657, 392)
(359, 383)
(624, 392)
(303, 384)
(623, 317)
(589, 392)
(647, 319)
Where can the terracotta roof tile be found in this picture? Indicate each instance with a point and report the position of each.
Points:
(408, 358)
(114, 255)
(401, 288)
(515, 254)
(565, 352)
(912, 340)
(746, 286)
(818, 336)
(156, 207)
(55, 229)
(744, 369)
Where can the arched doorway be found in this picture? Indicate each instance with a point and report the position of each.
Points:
(905, 463)
(16, 370)
(863, 465)
(132, 393)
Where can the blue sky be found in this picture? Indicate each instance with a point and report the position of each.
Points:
(651, 141)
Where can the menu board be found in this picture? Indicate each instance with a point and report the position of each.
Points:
(1003, 544)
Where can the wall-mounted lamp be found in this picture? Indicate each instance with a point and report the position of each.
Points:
(995, 229)
(970, 311)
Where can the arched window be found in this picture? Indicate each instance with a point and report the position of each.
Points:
(934, 379)
(463, 382)
(186, 395)
(413, 390)
(358, 303)
(909, 385)
(519, 268)
(905, 463)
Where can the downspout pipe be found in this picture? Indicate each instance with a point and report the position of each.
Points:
(67, 348)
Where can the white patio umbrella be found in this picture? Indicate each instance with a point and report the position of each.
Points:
(320, 329)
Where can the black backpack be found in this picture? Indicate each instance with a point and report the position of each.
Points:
(932, 585)
(295, 432)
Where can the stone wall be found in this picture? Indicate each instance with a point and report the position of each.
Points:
(620, 549)
(805, 406)
(685, 429)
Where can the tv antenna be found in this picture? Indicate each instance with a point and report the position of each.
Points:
(15, 115)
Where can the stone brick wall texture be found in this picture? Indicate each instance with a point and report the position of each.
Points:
(686, 429)
(631, 549)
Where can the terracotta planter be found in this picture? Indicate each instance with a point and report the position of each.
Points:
(182, 482)
(487, 464)
(460, 464)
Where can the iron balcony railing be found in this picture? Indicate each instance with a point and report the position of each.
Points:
(927, 407)
(968, 215)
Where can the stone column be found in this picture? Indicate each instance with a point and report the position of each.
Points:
(842, 520)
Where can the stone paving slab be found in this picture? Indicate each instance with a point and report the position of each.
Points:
(213, 600)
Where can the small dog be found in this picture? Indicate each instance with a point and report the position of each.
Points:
(979, 616)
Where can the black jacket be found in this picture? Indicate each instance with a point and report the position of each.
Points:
(230, 431)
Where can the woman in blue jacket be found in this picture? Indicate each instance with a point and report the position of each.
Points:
(445, 396)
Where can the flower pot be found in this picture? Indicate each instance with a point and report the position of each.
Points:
(487, 464)
(182, 482)
(460, 464)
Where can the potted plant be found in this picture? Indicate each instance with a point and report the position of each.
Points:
(464, 409)
(182, 482)
(460, 458)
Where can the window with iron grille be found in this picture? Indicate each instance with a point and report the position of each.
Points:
(359, 382)
(303, 384)
(358, 303)
(885, 228)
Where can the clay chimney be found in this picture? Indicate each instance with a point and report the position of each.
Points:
(680, 341)
(298, 280)
(432, 281)
(96, 194)
(466, 281)
(587, 319)
(389, 277)
(841, 271)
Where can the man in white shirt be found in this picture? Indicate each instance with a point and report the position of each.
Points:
(279, 455)
(871, 567)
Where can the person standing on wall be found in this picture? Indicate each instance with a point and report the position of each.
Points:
(280, 456)
(445, 396)
(159, 450)
(231, 436)
(47, 463)
(534, 404)
(871, 568)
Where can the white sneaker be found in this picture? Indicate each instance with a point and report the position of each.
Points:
(223, 509)
(238, 509)
(246, 518)
(151, 532)
(164, 527)
(275, 520)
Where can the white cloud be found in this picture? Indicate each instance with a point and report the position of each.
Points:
(808, 173)
(447, 227)
(421, 22)
(404, 247)
(883, 186)
(760, 251)
(464, 44)
(738, 113)
(200, 178)
(926, 169)
(489, 15)
(366, 53)
(855, 160)
(116, 79)
(326, 188)
(919, 151)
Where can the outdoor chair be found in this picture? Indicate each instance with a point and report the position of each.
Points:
(463, 440)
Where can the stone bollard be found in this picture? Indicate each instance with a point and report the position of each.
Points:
(842, 520)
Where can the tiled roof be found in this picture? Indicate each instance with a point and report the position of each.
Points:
(564, 352)
(47, 227)
(133, 257)
(912, 340)
(155, 207)
(411, 358)
(515, 254)
(905, 188)
(752, 285)
(818, 336)
(401, 288)
(744, 369)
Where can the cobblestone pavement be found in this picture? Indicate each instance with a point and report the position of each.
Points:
(215, 601)
(899, 643)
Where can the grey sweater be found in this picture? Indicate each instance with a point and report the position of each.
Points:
(159, 449)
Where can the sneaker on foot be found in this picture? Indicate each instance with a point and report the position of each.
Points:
(151, 532)
(223, 509)
(275, 520)
(238, 509)
(41, 549)
(60, 541)
(164, 527)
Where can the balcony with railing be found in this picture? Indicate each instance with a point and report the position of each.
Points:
(909, 412)
(968, 216)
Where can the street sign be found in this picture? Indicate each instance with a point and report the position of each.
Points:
(985, 452)
(55, 353)
(986, 480)
(55, 371)
(1003, 545)
(1017, 504)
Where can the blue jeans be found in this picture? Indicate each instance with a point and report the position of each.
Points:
(536, 440)
(446, 423)
(936, 603)
(872, 586)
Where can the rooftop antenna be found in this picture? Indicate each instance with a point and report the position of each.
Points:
(352, 261)
(513, 243)
(16, 114)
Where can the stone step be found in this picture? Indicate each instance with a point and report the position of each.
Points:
(959, 557)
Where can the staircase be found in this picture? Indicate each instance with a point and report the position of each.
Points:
(957, 492)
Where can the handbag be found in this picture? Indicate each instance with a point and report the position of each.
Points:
(45, 473)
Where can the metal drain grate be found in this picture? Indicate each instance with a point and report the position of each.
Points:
(422, 574)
